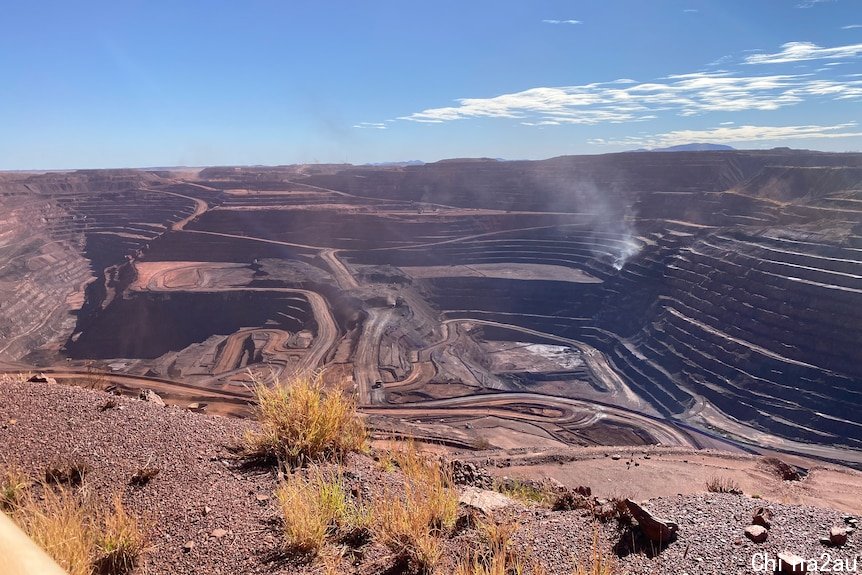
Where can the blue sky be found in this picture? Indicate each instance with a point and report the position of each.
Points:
(153, 83)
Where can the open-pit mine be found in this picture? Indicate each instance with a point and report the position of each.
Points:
(694, 299)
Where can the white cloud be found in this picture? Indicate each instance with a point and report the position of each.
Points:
(726, 123)
(371, 125)
(721, 61)
(623, 101)
(561, 21)
(691, 10)
(811, 3)
(851, 26)
(801, 51)
(728, 135)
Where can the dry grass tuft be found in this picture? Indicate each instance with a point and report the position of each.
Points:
(599, 562)
(498, 558)
(526, 492)
(302, 423)
(78, 535)
(119, 542)
(62, 525)
(723, 485)
(13, 485)
(316, 506)
(411, 521)
(8, 378)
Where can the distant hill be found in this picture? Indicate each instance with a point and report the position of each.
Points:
(396, 164)
(696, 147)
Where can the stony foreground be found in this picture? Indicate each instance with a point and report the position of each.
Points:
(207, 515)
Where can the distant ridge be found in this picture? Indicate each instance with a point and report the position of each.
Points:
(695, 147)
(395, 164)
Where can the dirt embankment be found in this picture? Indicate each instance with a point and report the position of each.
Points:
(199, 491)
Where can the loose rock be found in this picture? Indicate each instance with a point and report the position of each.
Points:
(756, 533)
(763, 517)
(484, 500)
(838, 536)
(789, 563)
(657, 530)
(151, 396)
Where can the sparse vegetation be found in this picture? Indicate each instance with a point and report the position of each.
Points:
(497, 558)
(13, 484)
(317, 506)
(78, 535)
(303, 423)
(598, 562)
(526, 492)
(62, 525)
(723, 485)
(120, 541)
(411, 521)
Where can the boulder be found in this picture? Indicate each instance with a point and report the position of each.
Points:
(583, 491)
(143, 476)
(789, 563)
(756, 533)
(151, 396)
(41, 378)
(657, 530)
(782, 469)
(838, 536)
(483, 500)
(570, 501)
(763, 517)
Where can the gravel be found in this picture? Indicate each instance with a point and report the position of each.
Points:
(204, 515)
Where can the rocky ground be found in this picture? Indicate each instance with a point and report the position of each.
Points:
(205, 514)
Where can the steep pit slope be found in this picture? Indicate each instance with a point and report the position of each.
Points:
(730, 280)
(699, 298)
(60, 234)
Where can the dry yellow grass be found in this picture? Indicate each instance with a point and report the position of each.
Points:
(316, 506)
(78, 535)
(411, 521)
(723, 485)
(119, 542)
(302, 423)
(13, 484)
(61, 525)
(598, 562)
(15, 377)
(498, 558)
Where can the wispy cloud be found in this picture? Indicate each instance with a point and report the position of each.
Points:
(371, 125)
(812, 3)
(801, 51)
(561, 21)
(851, 26)
(624, 101)
(729, 135)
(726, 59)
(691, 10)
